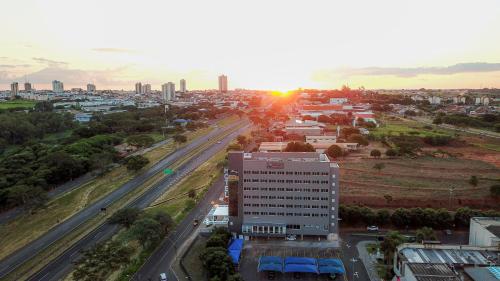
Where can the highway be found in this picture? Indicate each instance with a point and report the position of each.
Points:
(161, 259)
(62, 265)
(11, 262)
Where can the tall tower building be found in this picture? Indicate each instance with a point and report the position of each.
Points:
(182, 86)
(27, 86)
(138, 88)
(146, 88)
(223, 83)
(57, 86)
(91, 88)
(168, 91)
(14, 90)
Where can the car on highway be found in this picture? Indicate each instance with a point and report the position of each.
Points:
(291, 237)
(163, 277)
(372, 228)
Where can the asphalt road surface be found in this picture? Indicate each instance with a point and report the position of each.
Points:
(62, 265)
(30, 250)
(161, 260)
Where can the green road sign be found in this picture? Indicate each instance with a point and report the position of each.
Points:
(168, 171)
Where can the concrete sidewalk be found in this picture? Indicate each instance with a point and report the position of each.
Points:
(369, 260)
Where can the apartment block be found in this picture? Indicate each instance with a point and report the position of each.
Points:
(280, 193)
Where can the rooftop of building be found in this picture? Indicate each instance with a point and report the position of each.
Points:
(287, 156)
(433, 272)
(450, 254)
(492, 224)
(490, 273)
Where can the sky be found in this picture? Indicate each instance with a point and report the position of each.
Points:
(258, 44)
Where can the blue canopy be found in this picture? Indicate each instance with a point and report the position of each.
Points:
(234, 250)
(331, 269)
(334, 262)
(270, 263)
(300, 260)
(306, 268)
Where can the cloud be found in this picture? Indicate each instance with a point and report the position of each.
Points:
(14, 65)
(49, 62)
(408, 72)
(114, 50)
(69, 76)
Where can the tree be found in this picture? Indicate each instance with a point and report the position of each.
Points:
(217, 262)
(192, 193)
(334, 151)
(165, 220)
(383, 217)
(379, 166)
(137, 162)
(233, 147)
(140, 140)
(147, 231)
(242, 140)
(375, 153)
(358, 139)
(473, 181)
(101, 161)
(495, 190)
(44, 106)
(180, 138)
(388, 246)
(425, 233)
(125, 217)
(296, 146)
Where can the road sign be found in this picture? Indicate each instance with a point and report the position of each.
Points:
(168, 171)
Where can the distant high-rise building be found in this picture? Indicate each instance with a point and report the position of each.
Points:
(27, 86)
(182, 86)
(138, 88)
(168, 91)
(90, 88)
(146, 88)
(223, 84)
(14, 89)
(57, 86)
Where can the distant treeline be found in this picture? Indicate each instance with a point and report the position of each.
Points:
(411, 217)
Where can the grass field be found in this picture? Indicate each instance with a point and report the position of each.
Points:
(192, 262)
(421, 178)
(26, 104)
(407, 127)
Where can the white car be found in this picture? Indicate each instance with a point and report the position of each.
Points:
(291, 237)
(372, 228)
(163, 277)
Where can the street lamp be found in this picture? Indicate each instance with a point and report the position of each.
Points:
(451, 195)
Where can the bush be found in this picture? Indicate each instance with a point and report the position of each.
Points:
(296, 146)
(391, 152)
(375, 153)
(495, 190)
(437, 140)
(136, 163)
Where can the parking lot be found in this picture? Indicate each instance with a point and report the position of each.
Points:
(307, 248)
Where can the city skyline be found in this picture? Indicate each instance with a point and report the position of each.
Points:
(388, 45)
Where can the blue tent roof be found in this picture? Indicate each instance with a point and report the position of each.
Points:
(300, 260)
(270, 263)
(331, 269)
(334, 262)
(306, 268)
(234, 250)
(236, 244)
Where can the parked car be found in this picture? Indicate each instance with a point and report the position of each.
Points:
(448, 232)
(291, 237)
(195, 222)
(372, 228)
(163, 277)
